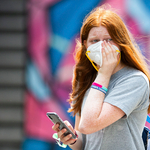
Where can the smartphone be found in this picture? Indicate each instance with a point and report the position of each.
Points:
(56, 119)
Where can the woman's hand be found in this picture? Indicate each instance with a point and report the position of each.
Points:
(110, 59)
(64, 139)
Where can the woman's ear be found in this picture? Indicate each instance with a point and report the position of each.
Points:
(85, 44)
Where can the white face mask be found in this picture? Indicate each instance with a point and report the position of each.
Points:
(94, 53)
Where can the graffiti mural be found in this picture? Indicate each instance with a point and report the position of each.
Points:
(53, 26)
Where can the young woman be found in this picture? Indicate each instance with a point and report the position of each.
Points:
(111, 104)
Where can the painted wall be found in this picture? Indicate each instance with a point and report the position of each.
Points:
(53, 26)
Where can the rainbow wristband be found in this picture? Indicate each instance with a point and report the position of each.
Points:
(99, 87)
(96, 84)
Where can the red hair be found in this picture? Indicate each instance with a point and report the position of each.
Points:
(84, 72)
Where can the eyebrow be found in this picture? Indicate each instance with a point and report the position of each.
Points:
(103, 35)
(106, 34)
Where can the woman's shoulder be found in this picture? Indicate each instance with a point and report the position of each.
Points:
(129, 71)
(137, 75)
(130, 74)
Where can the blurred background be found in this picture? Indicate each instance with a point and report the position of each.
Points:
(37, 41)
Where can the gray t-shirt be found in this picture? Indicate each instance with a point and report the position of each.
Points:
(128, 90)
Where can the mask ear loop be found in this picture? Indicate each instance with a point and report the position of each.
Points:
(91, 60)
(119, 57)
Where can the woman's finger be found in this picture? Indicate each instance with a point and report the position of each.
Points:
(103, 55)
(113, 50)
(70, 141)
(64, 139)
(106, 48)
(108, 51)
(61, 133)
(55, 127)
(69, 126)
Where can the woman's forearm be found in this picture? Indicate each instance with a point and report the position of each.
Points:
(92, 108)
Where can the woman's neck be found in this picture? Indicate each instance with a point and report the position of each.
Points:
(119, 67)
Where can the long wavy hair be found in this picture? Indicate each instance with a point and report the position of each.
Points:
(84, 72)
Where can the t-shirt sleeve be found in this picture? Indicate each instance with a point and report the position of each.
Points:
(129, 94)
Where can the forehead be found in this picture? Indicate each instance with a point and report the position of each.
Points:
(101, 30)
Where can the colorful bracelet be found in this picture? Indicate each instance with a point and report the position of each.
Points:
(96, 84)
(55, 136)
(99, 87)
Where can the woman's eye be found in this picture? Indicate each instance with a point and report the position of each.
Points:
(108, 40)
(94, 41)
